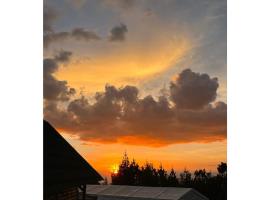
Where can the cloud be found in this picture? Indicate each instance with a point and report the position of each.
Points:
(54, 37)
(51, 36)
(118, 33)
(49, 16)
(54, 89)
(63, 56)
(76, 34)
(82, 34)
(192, 90)
(119, 115)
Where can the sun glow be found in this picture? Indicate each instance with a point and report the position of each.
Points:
(114, 169)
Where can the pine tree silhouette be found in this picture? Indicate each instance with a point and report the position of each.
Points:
(213, 187)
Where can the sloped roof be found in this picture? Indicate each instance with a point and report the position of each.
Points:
(141, 192)
(63, 166)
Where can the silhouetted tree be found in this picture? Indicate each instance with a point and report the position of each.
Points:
(162, 176)
(134, 172)
(125, 161)
(222, 180)
(172, 179)
(123, 177)
(222, 169)
(213, 187)
(148, 175)
(200, 175)
(185, 178)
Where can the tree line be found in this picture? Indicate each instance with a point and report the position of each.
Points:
(212, 186)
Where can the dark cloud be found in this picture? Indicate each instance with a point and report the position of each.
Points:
(58, 116)
(54, 37)
(76, 34)
(51, 36)
(49, 16)
(82, 34)
(193, 90)
(54, 89)
(119, 115)
(63, 56)
(118, 33)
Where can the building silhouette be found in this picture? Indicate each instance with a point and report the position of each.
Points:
(66, 172)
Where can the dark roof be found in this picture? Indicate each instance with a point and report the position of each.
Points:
(127, 192)
(64, 167)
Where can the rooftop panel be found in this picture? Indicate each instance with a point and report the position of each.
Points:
(123, 191)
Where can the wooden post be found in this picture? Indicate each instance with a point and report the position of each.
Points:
(84, 191)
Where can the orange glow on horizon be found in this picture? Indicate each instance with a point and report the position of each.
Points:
(105, 158)
(114, 169)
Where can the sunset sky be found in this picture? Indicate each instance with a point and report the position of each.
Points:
(143, 76)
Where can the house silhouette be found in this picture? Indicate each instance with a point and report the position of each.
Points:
(65, 170)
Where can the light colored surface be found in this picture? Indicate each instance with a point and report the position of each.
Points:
(121, 192)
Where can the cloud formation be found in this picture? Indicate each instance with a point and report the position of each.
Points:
(119, 115)
(118, 33)
(54, 89)
(193, 90)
